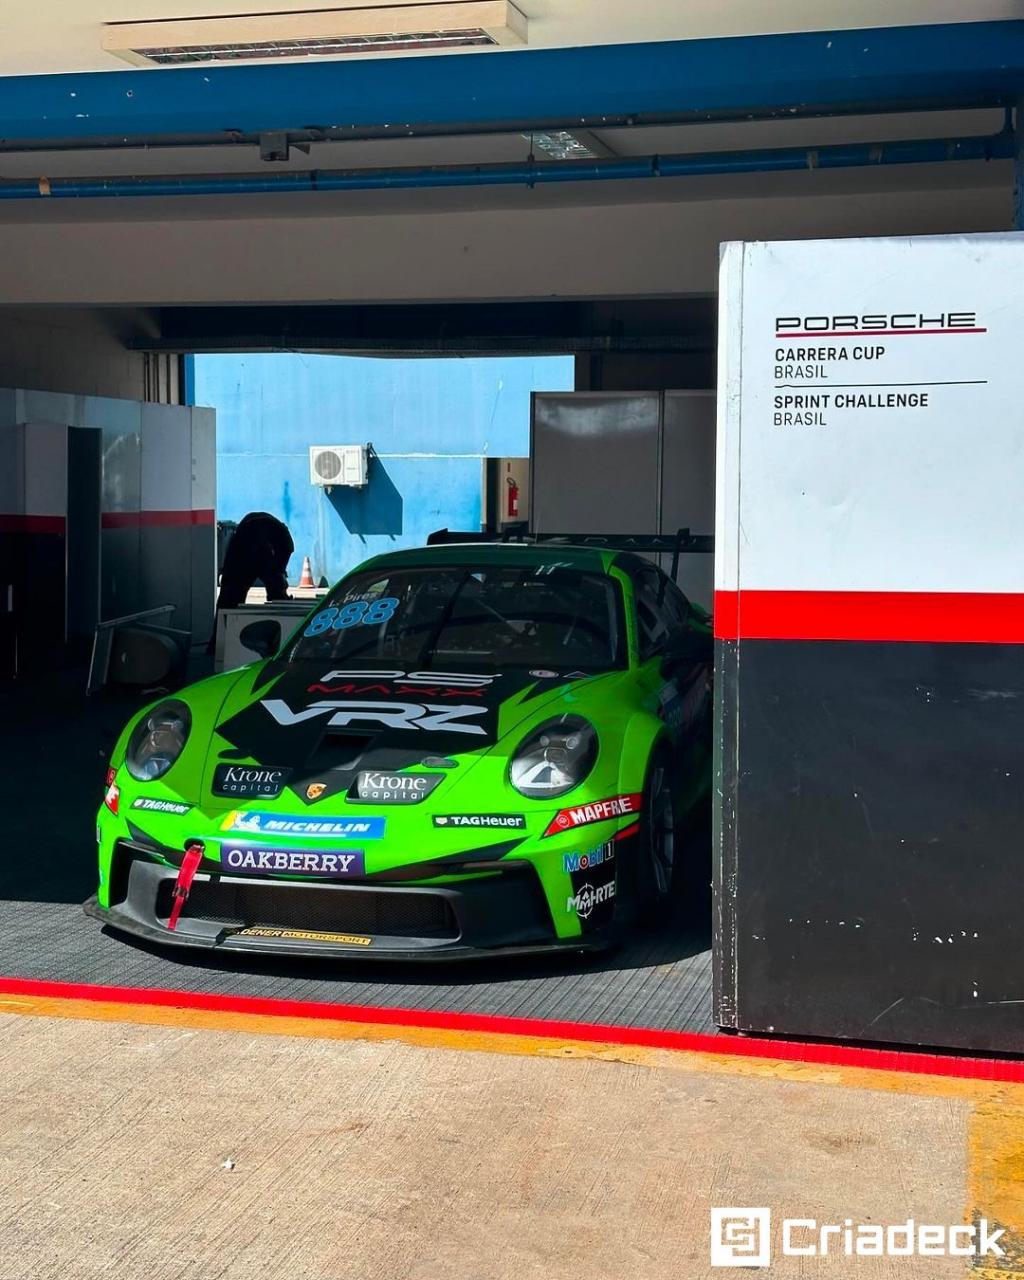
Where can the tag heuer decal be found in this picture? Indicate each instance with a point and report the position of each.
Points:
(508, 821)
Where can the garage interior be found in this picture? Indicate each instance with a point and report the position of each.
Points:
(144, 221)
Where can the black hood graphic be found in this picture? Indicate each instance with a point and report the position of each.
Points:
(327, 726)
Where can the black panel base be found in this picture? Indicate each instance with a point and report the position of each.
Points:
(870, 850)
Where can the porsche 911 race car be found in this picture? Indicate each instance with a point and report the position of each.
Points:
(462, 750)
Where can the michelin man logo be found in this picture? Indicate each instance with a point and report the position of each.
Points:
(740, 1237)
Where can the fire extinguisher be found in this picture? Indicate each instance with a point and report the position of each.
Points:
(513, 498)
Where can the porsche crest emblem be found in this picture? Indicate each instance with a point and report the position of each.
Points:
(315, 790)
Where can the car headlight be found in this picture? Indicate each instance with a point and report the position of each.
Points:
(157, 741)
(554, 758)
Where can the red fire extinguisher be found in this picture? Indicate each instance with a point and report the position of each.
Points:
(513, 498)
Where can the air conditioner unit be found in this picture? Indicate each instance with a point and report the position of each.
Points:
(421, 27)
(339, 464)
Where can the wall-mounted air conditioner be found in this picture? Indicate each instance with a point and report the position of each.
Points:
(339, 464)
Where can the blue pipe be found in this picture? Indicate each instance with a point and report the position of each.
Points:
(857, 71)
(1000, 146)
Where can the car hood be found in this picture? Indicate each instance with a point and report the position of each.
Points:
(323, 727)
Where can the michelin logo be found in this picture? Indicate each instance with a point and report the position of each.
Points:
(284, 824)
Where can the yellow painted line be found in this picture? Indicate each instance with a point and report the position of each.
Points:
(995, 1183)
(981, 1093)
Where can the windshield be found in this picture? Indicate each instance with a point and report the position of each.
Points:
(501, 616)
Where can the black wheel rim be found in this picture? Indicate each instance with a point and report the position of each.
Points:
(663, 836)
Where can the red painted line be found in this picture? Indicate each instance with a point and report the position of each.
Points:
(31, 524)
(911, 1061)
(943, 617)
(873, 333)
(155, 519)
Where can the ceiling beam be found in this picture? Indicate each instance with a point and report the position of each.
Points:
(889, 68)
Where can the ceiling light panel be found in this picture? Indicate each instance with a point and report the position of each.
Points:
(407, 28)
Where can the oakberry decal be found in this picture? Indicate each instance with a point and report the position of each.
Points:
(295, 862)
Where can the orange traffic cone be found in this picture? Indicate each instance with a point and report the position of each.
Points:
(307, 573)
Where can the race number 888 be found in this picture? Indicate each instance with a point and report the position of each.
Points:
(357, 613)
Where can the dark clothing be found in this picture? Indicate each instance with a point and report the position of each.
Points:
(259, 551)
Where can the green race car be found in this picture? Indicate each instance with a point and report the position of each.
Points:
(463, 750)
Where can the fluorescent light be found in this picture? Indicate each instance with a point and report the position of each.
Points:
(565, 144)
(404, 28)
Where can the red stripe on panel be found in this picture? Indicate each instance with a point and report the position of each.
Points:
(945, 617)
(156, 519)
(874, 333)
(31, 524)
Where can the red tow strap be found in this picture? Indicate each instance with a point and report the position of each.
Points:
(186, 874)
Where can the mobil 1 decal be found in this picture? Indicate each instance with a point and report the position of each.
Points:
(591, 896)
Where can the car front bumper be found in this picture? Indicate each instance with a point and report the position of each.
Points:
(489, 915)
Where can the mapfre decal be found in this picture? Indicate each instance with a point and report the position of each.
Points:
(600, 811)
(382, 715)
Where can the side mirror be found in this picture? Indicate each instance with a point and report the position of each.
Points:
(262, 637)
(690, 648)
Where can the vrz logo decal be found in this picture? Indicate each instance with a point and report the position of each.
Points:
(383, 715)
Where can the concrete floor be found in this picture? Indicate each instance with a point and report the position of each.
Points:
(380, 1153)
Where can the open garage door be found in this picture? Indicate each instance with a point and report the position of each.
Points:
(546, 199)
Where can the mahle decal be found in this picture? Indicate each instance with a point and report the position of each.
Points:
(584, 902)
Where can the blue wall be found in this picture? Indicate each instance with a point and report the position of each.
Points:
(430, 422)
